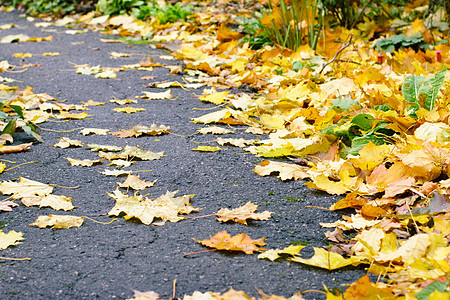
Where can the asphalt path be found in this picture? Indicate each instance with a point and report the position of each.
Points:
(98, 261)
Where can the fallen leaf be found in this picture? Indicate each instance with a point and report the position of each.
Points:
(120, 163)
(364, 289)
(235, 142)
(274, 254)
(67, 115)
(207, 149)
(7, 205)
(9, 239)
(124, 101)
(166, 207)
(214, 130)
(16, 148)
(136, 183)
(242, 213)
(115, 55)
(286, 171)
(241, 242)
(128, 110)
(65, 142)
(93, 103)
(98, 131)
(115, 172)
(157, 96)
(57, 202)
(329, 260)
(25, 188)
(96, 147)
(84, 163)
(58, 221)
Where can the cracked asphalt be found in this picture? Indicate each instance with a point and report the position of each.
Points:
(110, 261)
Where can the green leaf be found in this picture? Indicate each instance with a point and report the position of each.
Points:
(344, 104)
(431, 88)
(17, 109)
(434, 286)
(363, 121)
(10, 128)
(411, 88)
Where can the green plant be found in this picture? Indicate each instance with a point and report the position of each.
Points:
(168, 14)
(255, 35)
(400, 41)
(422, 92)
(294, 25)
(118, 7)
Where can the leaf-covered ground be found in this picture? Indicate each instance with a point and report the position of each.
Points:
(373, 130)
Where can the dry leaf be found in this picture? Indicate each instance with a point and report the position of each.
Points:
(109, 148)
(57, 202)
(7, 205)
(166, 207)
(25, 188)
(235, 142)
(10, 238)
(241, 242)
(157, 96)
(58, 221)
(136, 183)
(242, 213)
(207, 149)
(214, 130)
(13, 149)
(84, 162)
(66, 143)
(128, 110)
(98, 131)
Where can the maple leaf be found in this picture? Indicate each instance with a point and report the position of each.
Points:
(124, 101)
(115, 172)
(235, 142)
(207, 149)
(131, 152)
(274, 254)
(7, 205)
(286, 171)
(214, 130)
(93, 103)
(98, 131)
(9, 239)
(136, 183)
(364, 289)
(67, 115)
(58, 221)
(242, 213)
(157, 96)
(84, 162)
(138, 130)
(329, 260)
(25, 188)
(57, 202)
(14, 149)
(215, 98)
(240, 242)
(166, 207)
(120, 163)
(129, 110)
(109, 148)
(65, 142)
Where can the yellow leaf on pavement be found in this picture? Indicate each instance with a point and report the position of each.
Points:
(207, 149)
(57, 202)
(128, 110)
(216, 98)
(10, 238)
(286, 171)
(25, 188)
(136, 183)
(371, 156)
(329, 260)
(84, 162)
(157, 96)
(242, 213)
(274, 254)
(214, 130)
(65, 142)
(98, 131)
(14, 149)
(58, 221)
(241, 242)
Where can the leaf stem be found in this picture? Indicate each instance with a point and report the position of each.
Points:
(198, 252)
(104, 223)
(9, 258)
(25, 163)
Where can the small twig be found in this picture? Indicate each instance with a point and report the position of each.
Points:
(317, 207)
(174, 289)
(103, 223)
(198, 252)
(9, 258)
(8, 161)
(314, 291)
(25, 163)
(200, 217)
(64, 131)
(341, 48)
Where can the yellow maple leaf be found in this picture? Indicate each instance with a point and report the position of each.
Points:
(207, 149)
(166, 207)
(286, 171)
(242, 213)
(65, 142)
(370, 156)
(415, 247)
(241, 142)
(9, 239)
(22, 55)
(214, 130)
(58, 221)
(25, 188)
(57, 202)
(274, 254)
(323, 183)
(67, 115)
(329, 260)
(98, 131)
(128, 110)
(15, 148)
(84, 162)
(136, 183)
(215, 98)
(155, 95)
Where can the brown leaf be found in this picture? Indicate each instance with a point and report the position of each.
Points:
(17, 148)
(241, 242)
(242, 213)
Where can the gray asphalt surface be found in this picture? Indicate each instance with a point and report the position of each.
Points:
(110, 261)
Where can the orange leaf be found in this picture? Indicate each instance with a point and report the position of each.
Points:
(241, 242)
(372, 212)
(351, 200)
(364, 289)
(225, 34)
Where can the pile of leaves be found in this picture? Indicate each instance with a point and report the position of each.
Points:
(374, 131)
